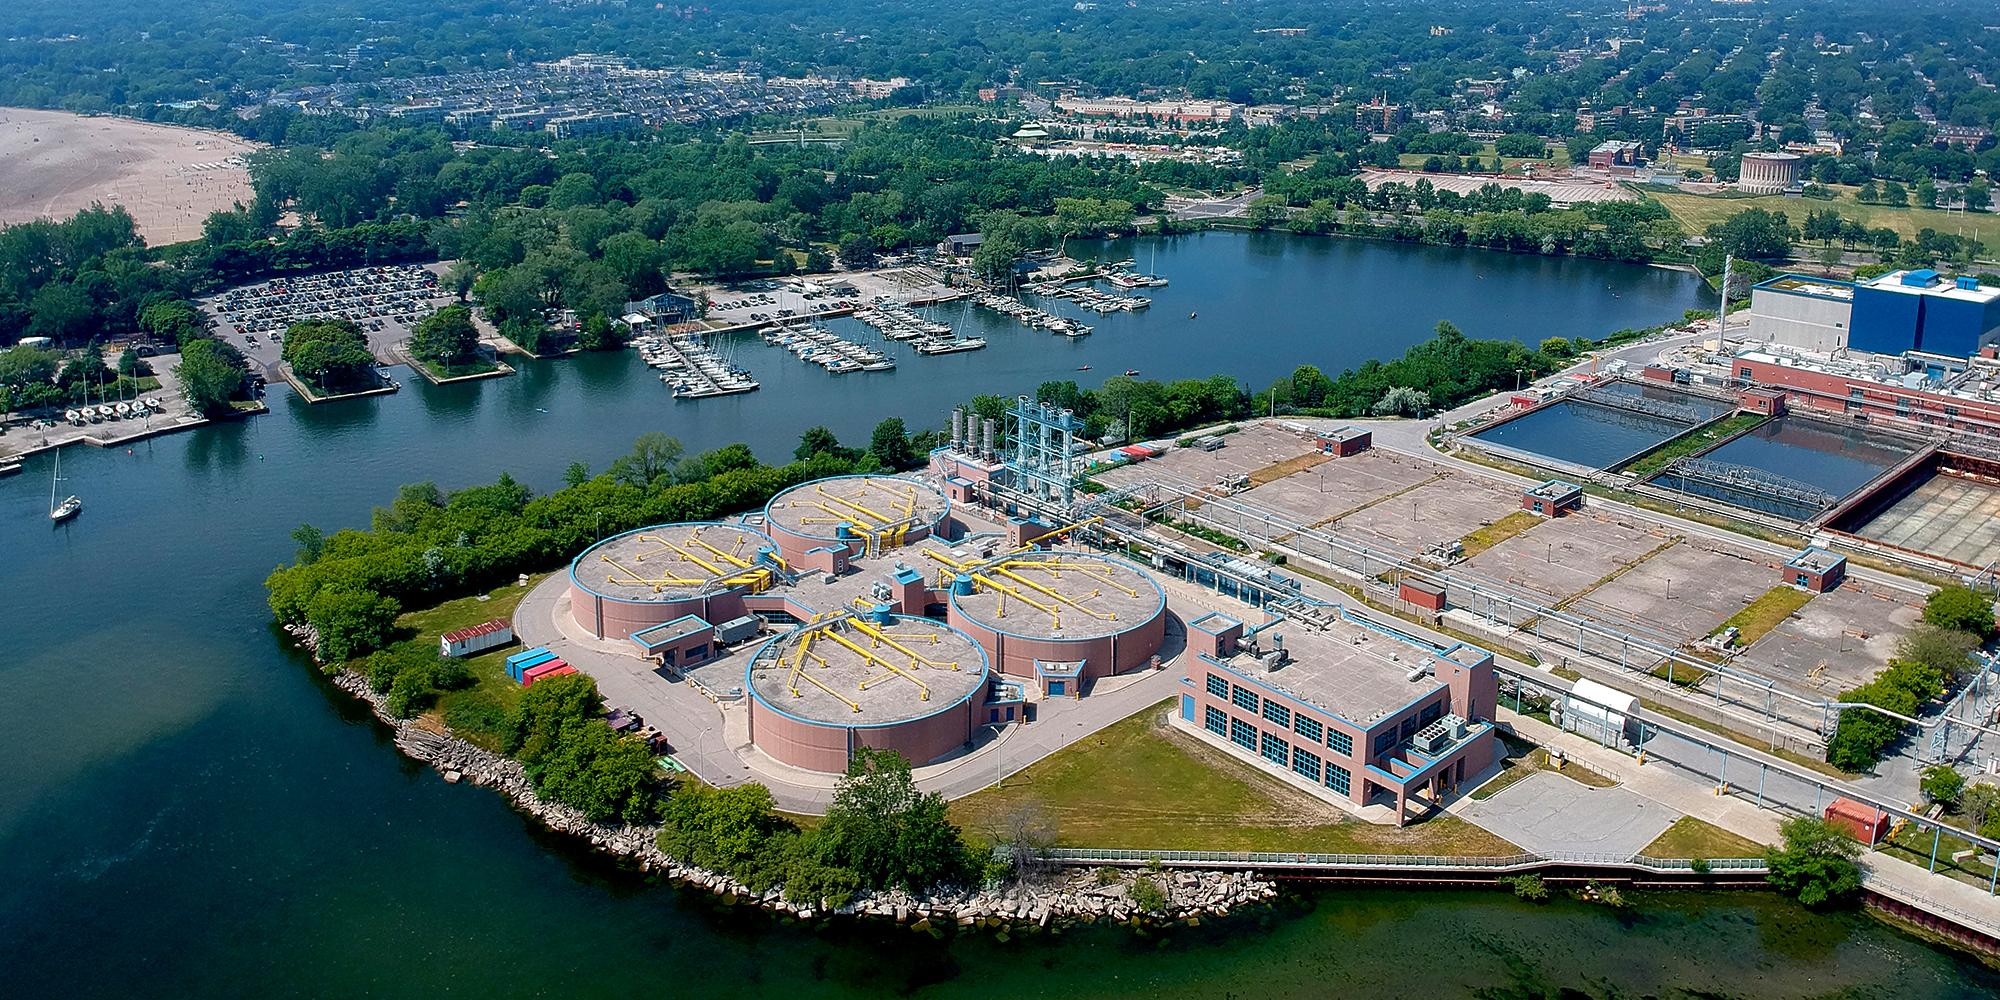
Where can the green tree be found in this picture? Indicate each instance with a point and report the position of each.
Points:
(211, 374)
(652, 457)
(817, 441)
(1961, 608)
(329, 352)
(890, 444)
(349, 623)
(446, 338)
(1943, 784)
(885, 831)
(1816, 863)
(312, 543)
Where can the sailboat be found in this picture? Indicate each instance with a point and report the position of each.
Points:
(71, 507)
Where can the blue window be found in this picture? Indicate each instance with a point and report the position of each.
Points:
(1277, 713)
(1243, 733)
(1217, 686)
(1213, 719)
(1431, 712)
(1244, 698)
(1276, 751)
(1384, 741)
(1308, 728)
(1305, 762)
(1340, 743)
(1337, 778)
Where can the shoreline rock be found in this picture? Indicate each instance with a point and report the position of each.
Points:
(1059, 897)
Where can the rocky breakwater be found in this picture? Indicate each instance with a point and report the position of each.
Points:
(1053, 898)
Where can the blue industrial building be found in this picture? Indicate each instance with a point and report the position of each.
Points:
(1922, 311)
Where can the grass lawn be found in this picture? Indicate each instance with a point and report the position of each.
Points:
(1141, 785)
(1696, 212)
(1913, 844)
(477, 367)
(1657, 459)
(1481, 539)
(474, 712)
(1766, 613)
(1693, 838)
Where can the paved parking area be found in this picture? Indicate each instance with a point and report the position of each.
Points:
(1547, 813)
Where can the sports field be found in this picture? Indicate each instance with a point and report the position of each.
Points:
(53, 163)
(1696, 212)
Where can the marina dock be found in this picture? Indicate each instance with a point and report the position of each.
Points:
(691, 368)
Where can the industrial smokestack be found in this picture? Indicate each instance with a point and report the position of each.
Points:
(958, 429)
(992, 448)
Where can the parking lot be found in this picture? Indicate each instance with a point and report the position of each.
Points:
(771, 300)
(386, 301)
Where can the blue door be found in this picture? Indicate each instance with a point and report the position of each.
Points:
(1187, 708)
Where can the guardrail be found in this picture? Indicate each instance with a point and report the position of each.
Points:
(1391, 862)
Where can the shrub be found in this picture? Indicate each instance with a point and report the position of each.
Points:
(1529, 887)
(1147, 895)
(1943, 784)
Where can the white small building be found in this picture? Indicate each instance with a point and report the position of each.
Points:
(477, 639)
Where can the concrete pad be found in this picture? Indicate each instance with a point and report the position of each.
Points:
(1684, 593)
(1839, 640)
(1333, 488)
(1442, 511)
(1560, 557)
(1547, 813)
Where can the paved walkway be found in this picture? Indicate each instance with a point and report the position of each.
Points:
(1670, 787)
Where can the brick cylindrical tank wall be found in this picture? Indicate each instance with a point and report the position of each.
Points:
(616, 616)
(1130, 646)
(824, 745)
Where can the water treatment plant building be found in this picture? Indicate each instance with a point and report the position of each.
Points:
(874, 679)
(821, 524)
(641, 579)
(1060, 618)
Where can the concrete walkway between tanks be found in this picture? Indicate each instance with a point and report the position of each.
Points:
(713, 740)
(1660, 782)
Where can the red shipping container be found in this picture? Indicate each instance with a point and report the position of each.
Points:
(1867, 823)
(563, 671)
(540, 671)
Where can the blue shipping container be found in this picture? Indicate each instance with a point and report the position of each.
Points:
(515, 670)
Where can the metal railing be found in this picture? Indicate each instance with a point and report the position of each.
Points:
(1280, 859)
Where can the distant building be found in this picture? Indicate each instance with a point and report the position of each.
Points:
(1969, 136)
(1615, 155)
(597, 123)
(1380, 116)
(1176, 112)
(1769, 173)
(961, 244)
(666, 308)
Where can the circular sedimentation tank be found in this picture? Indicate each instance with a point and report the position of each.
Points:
(656, 574)
(875, 679)
(1061, 607)
(852, 511)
